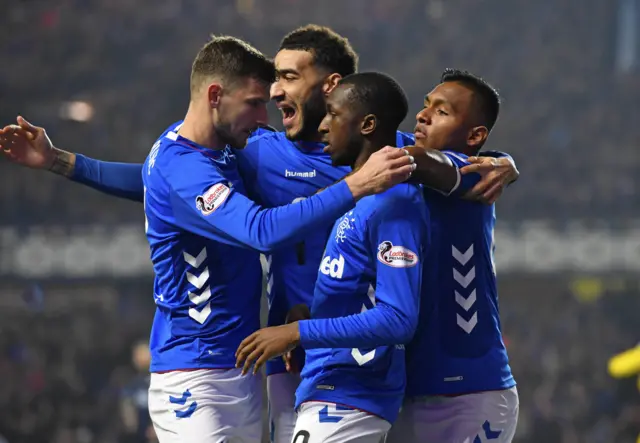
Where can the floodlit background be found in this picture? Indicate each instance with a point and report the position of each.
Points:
(105, 77)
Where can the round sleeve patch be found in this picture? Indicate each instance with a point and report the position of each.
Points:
(396, 256)
(212, 199)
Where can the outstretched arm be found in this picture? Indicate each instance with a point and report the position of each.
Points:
(205, 205)
(29, 145)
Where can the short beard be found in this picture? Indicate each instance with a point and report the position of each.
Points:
(313, 111)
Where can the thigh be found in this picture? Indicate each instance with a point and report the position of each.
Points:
(281, 392)
(475, 418)
(205, 406)
(320, 422)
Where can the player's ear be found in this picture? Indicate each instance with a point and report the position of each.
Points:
(214, 94)
(369, 124)
(330, 83)
(477, 136)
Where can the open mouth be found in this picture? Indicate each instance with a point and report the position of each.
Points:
(288, 115)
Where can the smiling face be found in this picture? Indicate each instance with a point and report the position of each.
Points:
(298, 93)
(342, 127)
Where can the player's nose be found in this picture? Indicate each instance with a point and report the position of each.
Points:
(324, 126)
(423, 116)
(276, 91)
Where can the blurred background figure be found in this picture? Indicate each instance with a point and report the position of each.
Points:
(134, 403)
(568, 241)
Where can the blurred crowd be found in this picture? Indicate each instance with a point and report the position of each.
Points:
(73, 370)
(569, 112)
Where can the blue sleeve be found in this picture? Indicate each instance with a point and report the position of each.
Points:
(465, 182)
(394, 318)
(122, 180)
(205, 204)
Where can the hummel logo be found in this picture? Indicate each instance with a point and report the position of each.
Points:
(308, 174)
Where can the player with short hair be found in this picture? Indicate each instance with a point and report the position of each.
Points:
(367, 294)
(459, 384)
(203, 235)
(278, 168)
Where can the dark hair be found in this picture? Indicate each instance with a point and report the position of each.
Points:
(330, 50)
(379, 94)
(230, 60)
(488, 99)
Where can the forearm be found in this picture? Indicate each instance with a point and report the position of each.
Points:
(379, 326)
(434, 169)
(123, 180)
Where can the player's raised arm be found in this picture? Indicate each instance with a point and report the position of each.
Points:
(204, 204)
(29, 146)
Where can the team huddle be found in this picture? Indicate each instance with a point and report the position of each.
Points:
(383, 320)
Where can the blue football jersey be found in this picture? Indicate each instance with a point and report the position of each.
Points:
(366, 303)
(203, 234)
(276, 172)
(458, 346)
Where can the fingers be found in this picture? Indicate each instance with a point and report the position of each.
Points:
(486, 183)
(288, 362)
(260, 362)
(392, 152)
(247, 346)
(402, 174)
(493, 194)
(404, 160)
(481, 168)
(250, 359)
(245, 343)
(10, 137)
(24, 124)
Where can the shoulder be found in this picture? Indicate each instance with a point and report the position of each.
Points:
(404, 139)
(400, 195)
(402, 199)
(259, 141)
(266, 137)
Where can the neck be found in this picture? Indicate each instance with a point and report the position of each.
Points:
(198, 128)
(371, 146)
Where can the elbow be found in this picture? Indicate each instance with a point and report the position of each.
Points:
(404, 328)
(408, 328)
(405, 335)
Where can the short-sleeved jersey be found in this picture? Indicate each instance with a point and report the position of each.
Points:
(378, 247)
(458, 346)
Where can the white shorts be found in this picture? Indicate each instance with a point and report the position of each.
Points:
(281, 394)
(320, 422)
(485, 417)
(206, 406)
